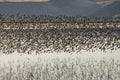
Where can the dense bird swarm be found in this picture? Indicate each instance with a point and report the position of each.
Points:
(59, 40)
(27, 34)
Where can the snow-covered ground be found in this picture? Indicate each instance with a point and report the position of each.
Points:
(97, 55)
(61, 66)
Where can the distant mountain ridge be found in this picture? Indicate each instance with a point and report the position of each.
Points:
(61, 7)
(109, 10)
(52, 7)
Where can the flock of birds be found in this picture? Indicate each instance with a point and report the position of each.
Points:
(21, 35)
(53, 40)
(57, 22)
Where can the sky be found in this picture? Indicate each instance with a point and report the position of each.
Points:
(23, 0)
